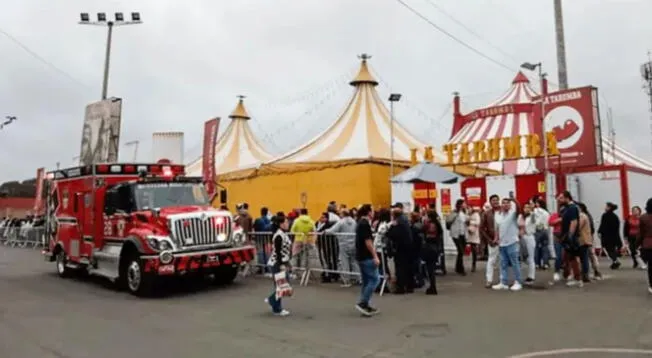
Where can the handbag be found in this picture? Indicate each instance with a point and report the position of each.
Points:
(283, 287)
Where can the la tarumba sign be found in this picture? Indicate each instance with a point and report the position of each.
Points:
(499, 149)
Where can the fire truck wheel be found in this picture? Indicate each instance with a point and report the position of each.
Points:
(225, 275)
(61, 261)
(137, 281)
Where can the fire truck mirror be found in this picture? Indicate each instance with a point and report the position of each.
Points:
(223, 196)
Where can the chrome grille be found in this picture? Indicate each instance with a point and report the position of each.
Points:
(200, 229)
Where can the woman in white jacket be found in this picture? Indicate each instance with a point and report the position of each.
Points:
(528, 226)
(473, 235)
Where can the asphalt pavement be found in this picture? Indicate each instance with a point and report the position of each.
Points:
(42, 315)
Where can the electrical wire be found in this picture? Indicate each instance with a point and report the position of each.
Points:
(41, 59)
(455, 38)
(471, 31)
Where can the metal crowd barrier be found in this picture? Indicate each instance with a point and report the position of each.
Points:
(330, 255)
(22, 237)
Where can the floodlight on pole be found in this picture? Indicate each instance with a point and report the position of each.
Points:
(102, 20)
(394, 97)
(532, 67)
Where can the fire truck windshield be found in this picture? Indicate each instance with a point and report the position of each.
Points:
(162, 195)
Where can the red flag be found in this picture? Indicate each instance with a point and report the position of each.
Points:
(208, 165)
(38, 200)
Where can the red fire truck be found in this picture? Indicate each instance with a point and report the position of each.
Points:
(136, 223)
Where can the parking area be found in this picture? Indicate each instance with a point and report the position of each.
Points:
(42, 315)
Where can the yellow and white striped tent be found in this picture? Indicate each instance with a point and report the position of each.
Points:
(237, 148)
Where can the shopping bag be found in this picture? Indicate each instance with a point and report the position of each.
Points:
(283, 288)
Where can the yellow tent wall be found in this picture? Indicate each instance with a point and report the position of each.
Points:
(365, 183)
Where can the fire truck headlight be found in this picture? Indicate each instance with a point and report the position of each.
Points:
(160, 243)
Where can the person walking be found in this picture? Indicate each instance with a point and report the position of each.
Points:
(631, 229)
(527, 223)
(279, 261)
(586, 242)
(365, 254)
(507, 238)
(434, 233)
(542, 235)
(645, 240)
(473, 235)
(456, 223)
(609, 233)
(570, 240)
(488, 235)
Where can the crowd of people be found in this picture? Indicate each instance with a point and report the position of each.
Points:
(407, 248)
(19, 225)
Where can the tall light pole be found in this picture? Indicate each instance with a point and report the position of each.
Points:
(102, 21)
(646, 75)
(562, 71)
(532, 67)
(134, 143)
(394, 97)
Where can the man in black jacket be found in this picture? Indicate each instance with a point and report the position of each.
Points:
(609, 233)
(400, 235)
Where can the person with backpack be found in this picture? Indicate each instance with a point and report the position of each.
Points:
(433, 238)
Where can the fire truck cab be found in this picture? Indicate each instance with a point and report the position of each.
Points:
(136, 223)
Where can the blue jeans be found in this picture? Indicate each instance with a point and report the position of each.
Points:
(509, 256)
(370, 280)
(558, 253)
(584, 259)
(541, 254)
(276, 303)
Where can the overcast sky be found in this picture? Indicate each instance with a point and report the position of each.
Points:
(293, 59)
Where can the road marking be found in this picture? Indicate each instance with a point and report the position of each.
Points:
(558, 352)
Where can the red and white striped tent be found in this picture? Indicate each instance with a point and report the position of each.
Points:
(486, 124)
(503, 125)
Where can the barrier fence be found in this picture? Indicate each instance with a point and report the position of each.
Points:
(30, 237)
(331, 256)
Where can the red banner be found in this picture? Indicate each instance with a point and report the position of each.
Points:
(38, 200)
(208, 155)
(446, 201)
(574, 118)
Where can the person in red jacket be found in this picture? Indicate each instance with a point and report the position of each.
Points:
(631, 229)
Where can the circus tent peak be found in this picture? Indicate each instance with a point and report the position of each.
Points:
(362, 131)
(236, 148)
(240, 112)
(520, 78)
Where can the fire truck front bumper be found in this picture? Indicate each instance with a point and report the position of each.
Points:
(170, 263)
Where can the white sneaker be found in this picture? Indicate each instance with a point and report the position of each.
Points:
(516, 287)
(643, 267)
(649, 289)
(500, 287)
(283, 313)
(574, 283)
(556, 277)
(345, 285)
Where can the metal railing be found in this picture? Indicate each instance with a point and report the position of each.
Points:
(30, 237)
(332, 256)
